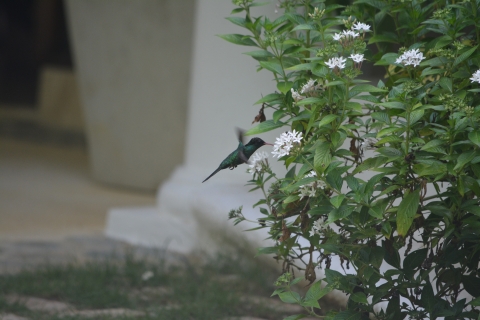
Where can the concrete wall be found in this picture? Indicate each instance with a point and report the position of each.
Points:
(132, 59)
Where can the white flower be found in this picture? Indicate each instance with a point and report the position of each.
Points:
(338, 36)
(258, 163)
(368, 144)
(410, 57)
(147, 275)
(285, 142)
(309, 86)
(356, 57)
(304, 192)
(476, 76)
(350, 33)
(296, 96)
(359, 26)
(336, 62)
(310, 189)
(311, 174)
(318, 226)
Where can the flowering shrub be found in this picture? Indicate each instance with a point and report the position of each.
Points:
(372, 169)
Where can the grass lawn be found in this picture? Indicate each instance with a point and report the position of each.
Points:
(221, 288)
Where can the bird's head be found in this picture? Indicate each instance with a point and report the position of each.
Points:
(257, 142)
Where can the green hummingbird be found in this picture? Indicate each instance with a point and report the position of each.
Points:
(240, 155)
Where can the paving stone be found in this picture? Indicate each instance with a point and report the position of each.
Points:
(117, 312)
(38, 304)
(19, 255)
(243, 318)
(11, 316)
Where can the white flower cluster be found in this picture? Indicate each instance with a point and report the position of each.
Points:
(306, 88)
(345, 34)
(359, 26)
(356, 57)
(309, 86)
(410, 57)
(318, 226)
(308, 189)
(296, 96)
(285, 143)
(336, 62)
(258, 162)
(368, 144)
(476, 76)
(348, 35)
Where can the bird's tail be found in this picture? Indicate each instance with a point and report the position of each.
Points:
(218, 169)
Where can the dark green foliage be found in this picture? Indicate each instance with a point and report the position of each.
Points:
(386, 178)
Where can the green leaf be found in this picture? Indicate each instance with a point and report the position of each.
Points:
(300, 67)
(337, 200)
(327, 119)
(378, 208)
(382, 38)
(259, 54)
(446, 83)
(238, 39)
(381, 116)
(413, 262)
(264, 127)
(323, 157)
(320, 210)
(316, 292)
(475, 302)
(310, 100)
(237, 20)
(464, 55)
(272, 66)
(340, 213)
(370, 163)
(416, 115)
(406, 212)
(474, 136)
(471, 283)
(359, 297)
(334, 178)
(389, 139)
(367, 88)
(284, 87)
(392, 256)
(290, 297)
(270, 97)
(430, 169)
(390, 152)
(304, 27)
(291, 198)
(428, 297)
(387, 131)
(431, 144)
(267, 250)
(348, 315)
(463, 159)
(393, 105)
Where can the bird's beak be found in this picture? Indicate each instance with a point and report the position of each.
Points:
(266, 143)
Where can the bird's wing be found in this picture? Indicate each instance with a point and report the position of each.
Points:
(242, 156)
(240, 133)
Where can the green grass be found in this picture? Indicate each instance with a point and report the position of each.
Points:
(214, 290)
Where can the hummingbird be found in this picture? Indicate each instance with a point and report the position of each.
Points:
(241, 154)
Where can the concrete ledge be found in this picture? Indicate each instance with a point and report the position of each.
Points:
(147, 227)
